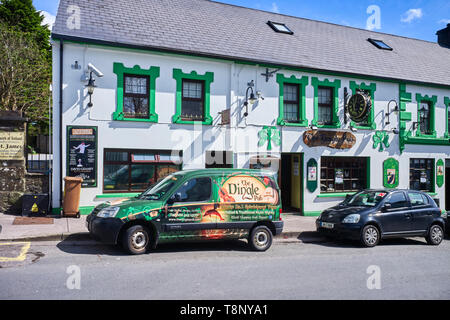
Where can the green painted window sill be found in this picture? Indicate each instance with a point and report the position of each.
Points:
(303, 123)
(117, 195)
(334, 195)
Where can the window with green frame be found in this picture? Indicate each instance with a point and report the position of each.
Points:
(426, 116)
(193, 97)
(447, 114)
(326, 103)
(370, 124)
(136, 89)
(292, 105)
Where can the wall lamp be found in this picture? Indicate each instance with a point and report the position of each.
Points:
(90, 87)
(252, 98)
(391, 112)
(91, 82)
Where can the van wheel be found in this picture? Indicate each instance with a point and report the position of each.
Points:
(136, 240)
(370, 236)
(260, 238)
(435, 235)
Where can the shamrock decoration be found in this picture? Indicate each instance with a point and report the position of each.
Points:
(381, 138)
(269, 134)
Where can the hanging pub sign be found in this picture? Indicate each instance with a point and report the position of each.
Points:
(82, 154)
(330, 139)
(359, 107)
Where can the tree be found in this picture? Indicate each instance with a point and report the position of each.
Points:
(24, 75)
(22, 15)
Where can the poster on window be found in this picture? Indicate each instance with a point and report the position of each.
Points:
(339, 176)
(82, 154)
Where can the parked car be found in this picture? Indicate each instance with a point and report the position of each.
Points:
(204, 204)
(372, 215)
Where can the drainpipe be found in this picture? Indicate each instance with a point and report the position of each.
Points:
(61, 73)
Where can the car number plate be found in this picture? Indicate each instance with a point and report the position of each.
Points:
(327, 225)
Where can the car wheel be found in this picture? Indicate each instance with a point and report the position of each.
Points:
(260, 238)
(370, 236)
(435, 235)
(136, 240)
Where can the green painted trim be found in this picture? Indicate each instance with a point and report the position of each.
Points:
(311, 185)
(391, 163)
(440, 178)
(433, 194)
(208, 78)
(153, 73)
(303, 82)
(135, 48)
(56, 211)
(368, 172)
(334, 195)
(404, 98)
(85, 211)
(117, 195)
(426, 140)
(311, 213)
(371, 124)
(336, 84)
(447, 110)
(433, 100)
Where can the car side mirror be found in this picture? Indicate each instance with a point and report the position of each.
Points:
(348, 197)
(174, 198)
(387, 206)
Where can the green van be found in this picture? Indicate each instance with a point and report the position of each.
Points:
(207, 204)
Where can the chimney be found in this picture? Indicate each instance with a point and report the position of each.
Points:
(444, 36)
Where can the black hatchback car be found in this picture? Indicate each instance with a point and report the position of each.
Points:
(372, 215)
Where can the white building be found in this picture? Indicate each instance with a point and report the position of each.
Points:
(172, 72)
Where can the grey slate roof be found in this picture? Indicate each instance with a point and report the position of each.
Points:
(203, 27)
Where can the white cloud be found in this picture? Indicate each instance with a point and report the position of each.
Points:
(49, 19)
(444, 21)
(412, 14)
(275, 8)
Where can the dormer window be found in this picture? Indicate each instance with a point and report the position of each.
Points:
(280, 27)
(380, 44)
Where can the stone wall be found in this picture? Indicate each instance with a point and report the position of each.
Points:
(14, 179)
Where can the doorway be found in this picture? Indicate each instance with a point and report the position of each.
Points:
(291, 182)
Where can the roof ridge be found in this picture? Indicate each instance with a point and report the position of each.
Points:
(320, 21)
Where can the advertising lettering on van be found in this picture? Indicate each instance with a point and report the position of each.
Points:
(248, 189)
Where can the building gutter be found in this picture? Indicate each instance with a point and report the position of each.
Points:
(248, 61)
(61, 81)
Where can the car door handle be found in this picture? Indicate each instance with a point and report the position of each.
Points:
(408, 215)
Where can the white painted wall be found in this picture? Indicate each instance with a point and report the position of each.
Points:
(227, 91)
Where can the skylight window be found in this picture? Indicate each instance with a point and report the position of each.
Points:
(380, 44)
(280, 27)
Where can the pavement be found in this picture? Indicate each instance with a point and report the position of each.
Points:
(296, 228)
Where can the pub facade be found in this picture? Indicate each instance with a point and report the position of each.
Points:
(331, 109)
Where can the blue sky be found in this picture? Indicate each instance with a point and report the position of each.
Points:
(415, 19)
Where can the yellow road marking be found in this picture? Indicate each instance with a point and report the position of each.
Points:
(23, 252)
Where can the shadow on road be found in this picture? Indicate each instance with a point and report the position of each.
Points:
(73, 246)
(312, 237)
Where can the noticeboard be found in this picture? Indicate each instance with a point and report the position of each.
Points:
(82, 154)
(12, 145)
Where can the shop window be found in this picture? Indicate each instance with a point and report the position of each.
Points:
(421, 173)
(219, 159)
(134, 171)
(342, 174)
(193, 97)
(136, 89)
